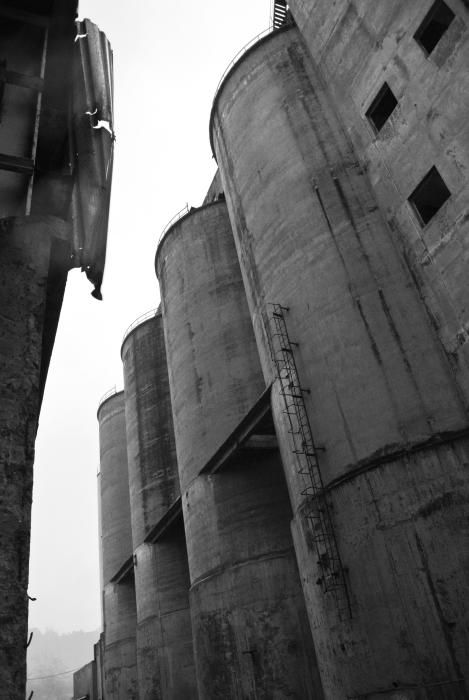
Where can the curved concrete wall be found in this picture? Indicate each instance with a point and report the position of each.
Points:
(246, 603)
(214, 369)
(164, 634)
(385, 403)
(359, 46)
(119, 608)
(120, 620)
(116, 532)
(153, 476)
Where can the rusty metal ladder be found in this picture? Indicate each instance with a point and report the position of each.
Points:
(316, 509)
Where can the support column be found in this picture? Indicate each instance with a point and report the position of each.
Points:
(27, 248)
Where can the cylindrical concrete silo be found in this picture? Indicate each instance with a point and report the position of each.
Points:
(375, 389)
(119, 610)
(250, 638)
(164, 636)
(380, 45)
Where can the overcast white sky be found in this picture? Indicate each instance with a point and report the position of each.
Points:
(168, 58)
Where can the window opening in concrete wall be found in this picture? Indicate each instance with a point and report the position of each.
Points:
(382, 107)
(429, 196)
(435, 24)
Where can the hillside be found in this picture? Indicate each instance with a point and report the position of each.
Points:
(51, 653)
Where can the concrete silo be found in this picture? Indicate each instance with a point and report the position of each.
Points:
(395, 72)
(119, 609)
(164, 636)
(370, 414)
(249, 624)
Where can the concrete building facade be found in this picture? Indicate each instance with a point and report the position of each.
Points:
(315, 333)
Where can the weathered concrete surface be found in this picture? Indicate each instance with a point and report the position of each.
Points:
(164, 636)
(358, 46)
(215, 191)
(310, 236)
(119, 607)
(37, 45)
(120, 621)
(99, 661)
(115, 526)
(26, 251)
(246, 601)
(214, 369)
(85, 682)
(251, 635)
(151, 450)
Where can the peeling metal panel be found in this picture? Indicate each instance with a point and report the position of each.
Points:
(93, 150)
(96, 58)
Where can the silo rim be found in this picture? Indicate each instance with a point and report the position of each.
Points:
(107, 397)
(250, 48)
(140, 321)
(166, 232)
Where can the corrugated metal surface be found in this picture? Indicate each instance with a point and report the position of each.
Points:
(93, 146)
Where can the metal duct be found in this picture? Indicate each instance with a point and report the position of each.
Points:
(93, 149)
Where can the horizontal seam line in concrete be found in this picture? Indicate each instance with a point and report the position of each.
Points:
(369, 464)
(159, 616)
(456, 681)
(217, 571)
(119, 641)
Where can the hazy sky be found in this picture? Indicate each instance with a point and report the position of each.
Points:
(168, 59)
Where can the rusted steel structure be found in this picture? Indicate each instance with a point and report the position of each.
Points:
(55, 182)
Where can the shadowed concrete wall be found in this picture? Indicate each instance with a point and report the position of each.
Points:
(32, 280)
(385, 403)
(99, 661)
(357, 47)
(120, 621)
(164, 634)
(213, 365)
(247, 609)
(119, 608)
(85, 682)
(27, 255)
(40, 72)
(116, 532)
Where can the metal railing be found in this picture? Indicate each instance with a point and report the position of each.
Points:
(107, 396)
(182, 212)
(273, 27)
(138, 321)
(240, 53)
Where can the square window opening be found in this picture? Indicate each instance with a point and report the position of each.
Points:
(434, 25)
(429, 196)
(382, 107)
